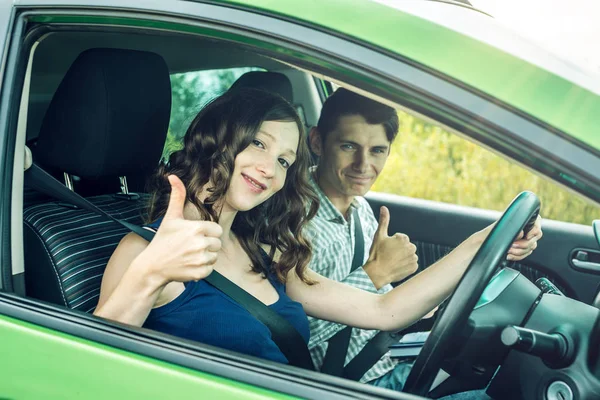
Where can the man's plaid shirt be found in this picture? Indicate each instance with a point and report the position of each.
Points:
(332, 238)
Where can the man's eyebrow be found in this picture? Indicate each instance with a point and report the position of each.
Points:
(288, 151)
(381, 147)
(349, 142)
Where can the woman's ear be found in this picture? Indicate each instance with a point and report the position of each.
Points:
(315, 141)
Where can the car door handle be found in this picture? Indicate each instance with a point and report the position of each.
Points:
(586, 260)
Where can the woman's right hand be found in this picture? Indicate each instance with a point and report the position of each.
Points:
(182, 250)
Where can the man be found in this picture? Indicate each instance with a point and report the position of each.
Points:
(352, 140)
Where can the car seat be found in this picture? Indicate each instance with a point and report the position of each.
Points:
(108, 119)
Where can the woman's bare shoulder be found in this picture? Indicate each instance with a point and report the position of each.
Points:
(130, 246)
(133, 242)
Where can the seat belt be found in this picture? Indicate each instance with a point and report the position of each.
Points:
(371, 353)
(283, 333)
(333, 362)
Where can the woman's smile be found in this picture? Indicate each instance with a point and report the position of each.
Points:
(254, 185)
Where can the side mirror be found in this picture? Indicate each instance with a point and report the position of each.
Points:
(596, 226)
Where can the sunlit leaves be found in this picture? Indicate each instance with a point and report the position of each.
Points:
(190, 91)
(429, 163)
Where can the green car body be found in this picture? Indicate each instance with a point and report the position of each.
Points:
(44, 354)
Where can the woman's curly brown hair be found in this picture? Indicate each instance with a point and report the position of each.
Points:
(223, 129)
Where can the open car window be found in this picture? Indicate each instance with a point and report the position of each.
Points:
(190, 92)
(431, 163)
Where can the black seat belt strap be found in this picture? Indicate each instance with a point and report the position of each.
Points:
(39, 179)
(370, 354)
(287, 338)
(337, 348)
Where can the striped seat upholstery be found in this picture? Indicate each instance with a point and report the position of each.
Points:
(429, 253)
(108, 119)
(68, 248)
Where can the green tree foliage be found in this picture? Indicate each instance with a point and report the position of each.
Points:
(190, 91)
(429, 163)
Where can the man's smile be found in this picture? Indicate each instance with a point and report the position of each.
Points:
(359, 178)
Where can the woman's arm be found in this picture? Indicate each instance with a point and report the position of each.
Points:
(395, 310)
(138, 271)
(405, 304)
(129, 290)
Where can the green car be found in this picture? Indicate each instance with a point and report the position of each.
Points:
(143, 69)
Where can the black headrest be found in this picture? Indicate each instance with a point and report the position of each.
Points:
(109, 115)
(274, 82)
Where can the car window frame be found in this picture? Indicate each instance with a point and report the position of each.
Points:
(10, 93)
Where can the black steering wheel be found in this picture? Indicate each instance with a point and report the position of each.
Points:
(522, 211)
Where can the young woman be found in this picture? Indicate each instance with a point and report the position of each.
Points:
(235, 199)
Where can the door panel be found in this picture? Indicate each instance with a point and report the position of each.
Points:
(65, 367)
(436, 228)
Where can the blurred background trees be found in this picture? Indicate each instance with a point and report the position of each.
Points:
(190, 91)
(427, 162)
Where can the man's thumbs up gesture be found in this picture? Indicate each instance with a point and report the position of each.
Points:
(392, 258)
(182, 250)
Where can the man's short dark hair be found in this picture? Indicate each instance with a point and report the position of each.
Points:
(343, 102)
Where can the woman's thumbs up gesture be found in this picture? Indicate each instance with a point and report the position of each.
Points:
(182, 250)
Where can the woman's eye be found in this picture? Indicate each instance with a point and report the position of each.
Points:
(284, 163)
(258, 143)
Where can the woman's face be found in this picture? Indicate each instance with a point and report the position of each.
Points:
(261, 168)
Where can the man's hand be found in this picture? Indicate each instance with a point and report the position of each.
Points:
(392, 258)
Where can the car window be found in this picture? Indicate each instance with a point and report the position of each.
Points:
(190, 91)
(431, 163)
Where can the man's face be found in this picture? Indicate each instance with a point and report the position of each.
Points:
(351, 157)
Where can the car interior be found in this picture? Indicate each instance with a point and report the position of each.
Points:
(102, 130)
(98, 106)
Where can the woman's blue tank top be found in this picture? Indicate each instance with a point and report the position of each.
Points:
(205, 314)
